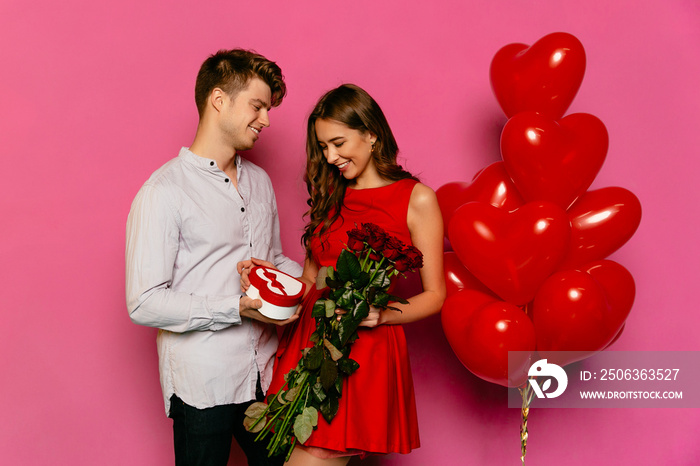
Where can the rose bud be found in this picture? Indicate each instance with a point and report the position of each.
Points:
(414, 256)
(402, 264)
(392, 248)
(356, 239)
(376, 236)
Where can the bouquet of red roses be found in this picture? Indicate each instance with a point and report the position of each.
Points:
(360, 279)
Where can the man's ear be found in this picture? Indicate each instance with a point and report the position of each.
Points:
(217, 99)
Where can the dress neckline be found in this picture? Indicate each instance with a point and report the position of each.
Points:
(350, 188)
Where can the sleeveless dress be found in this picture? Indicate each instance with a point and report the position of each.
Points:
(377, 411)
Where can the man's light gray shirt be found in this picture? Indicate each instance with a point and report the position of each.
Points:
(187, 230)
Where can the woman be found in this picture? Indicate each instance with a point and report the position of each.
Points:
(352, 178)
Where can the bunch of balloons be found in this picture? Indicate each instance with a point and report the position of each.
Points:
(527, 271)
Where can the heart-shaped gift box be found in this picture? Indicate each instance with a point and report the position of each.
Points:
(279, 292)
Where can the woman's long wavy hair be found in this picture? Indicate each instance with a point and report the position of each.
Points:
(354, 107)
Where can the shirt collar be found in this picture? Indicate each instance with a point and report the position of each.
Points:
(196, 160)
(207, 164)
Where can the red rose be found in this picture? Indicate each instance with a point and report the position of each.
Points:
(402, 264)
(414, 256)
(356, 239)
(376, 236)
(411, 259)
(393, 247)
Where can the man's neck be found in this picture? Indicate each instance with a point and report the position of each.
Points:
(210, 147)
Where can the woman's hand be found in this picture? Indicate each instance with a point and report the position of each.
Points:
(244, 267)
(372, 320)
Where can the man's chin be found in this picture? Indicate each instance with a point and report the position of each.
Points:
(245, 147)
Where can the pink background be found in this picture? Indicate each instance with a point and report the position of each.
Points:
(97, 95)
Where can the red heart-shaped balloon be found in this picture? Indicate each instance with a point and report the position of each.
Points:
(617, 337)
(544, 77)
(491, 185)
(619, 288)
(460, 307)
(482, 330)
(579, 312)
(601, 222)
(553, 161)
(457, 277)
(510, 253)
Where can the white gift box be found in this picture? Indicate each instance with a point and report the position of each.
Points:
(279, 292)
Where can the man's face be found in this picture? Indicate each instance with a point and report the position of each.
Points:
(244, 117)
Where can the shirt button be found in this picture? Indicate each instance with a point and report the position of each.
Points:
(242, 209)
(226, 180)
(211, 163)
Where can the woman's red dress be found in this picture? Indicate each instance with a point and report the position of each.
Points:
(377, 411)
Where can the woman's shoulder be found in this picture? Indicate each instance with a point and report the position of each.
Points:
(423, 209)
(422, 196)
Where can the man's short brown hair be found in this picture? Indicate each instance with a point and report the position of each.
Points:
(232, 70)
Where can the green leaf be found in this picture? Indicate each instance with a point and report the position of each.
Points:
(361, 281)
(354, 336)
(252, 424)
(381, 280)
(320, 327)
(319, 309)
(302, 428)
(398, 299)
(346, 300)
(335, 353)
(256, 410)
(275, 404)
(312, 414)
(348, 334)
(313, 358)
(371, 292)
(330, 308)
(318, 392)
(329, 407)
(315, 337)
(321, 278)
(280, 398)
(346, 328)
(334, 284)
(339, 385)
(331, 272)
(348, 266)
(347, 366)
(291, 393)
(329, 372)
(381, 299)
(360, 310)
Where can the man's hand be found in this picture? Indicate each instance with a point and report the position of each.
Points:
(244, 267)
(248, 307)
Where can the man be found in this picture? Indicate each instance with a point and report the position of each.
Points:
(190, 224)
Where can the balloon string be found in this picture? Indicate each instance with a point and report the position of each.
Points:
(527, 395)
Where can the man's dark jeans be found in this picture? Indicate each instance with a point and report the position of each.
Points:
(203, 436)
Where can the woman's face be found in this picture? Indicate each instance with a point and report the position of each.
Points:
(349, 150)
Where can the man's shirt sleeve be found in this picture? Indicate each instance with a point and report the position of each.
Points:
(152, 241)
